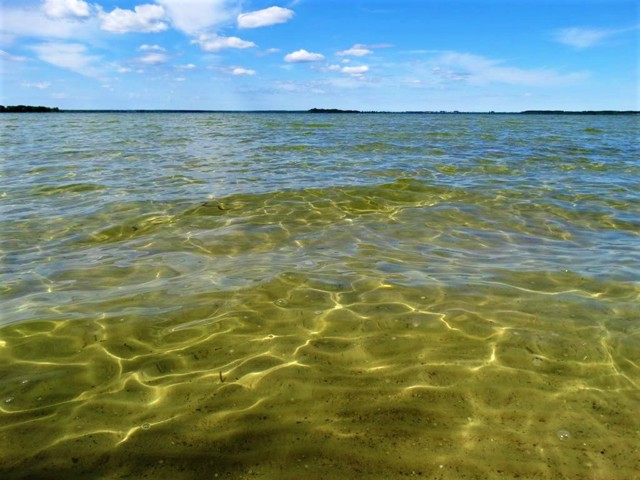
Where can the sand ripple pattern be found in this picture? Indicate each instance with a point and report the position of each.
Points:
(298, 296)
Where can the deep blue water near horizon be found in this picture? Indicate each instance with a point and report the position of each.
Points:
(278, 295)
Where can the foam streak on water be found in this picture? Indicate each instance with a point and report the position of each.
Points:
(319, 296)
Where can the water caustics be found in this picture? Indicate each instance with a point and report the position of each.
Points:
(297, 295)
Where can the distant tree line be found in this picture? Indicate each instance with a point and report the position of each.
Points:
(26, 108)
(582, 112)
(331, 110)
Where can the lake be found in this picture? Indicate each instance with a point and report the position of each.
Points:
(290, 295)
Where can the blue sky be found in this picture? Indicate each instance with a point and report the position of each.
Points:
(469, 55)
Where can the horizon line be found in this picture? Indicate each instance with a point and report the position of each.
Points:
(36, 109)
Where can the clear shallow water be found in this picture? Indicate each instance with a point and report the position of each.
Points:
(291, 295)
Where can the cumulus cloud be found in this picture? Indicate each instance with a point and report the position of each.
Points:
(243, 71)
(211, 42)
(33, 22)
(264, 18)
(355, 70)
(143, 18)
(66, 9)
(583, 37)
(302, 56)
(71, 56)
(153, 58)
(355, 51)
(196, 16)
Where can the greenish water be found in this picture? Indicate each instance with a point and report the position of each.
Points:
(290, 296)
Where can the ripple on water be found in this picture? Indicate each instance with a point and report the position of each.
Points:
(446, 295)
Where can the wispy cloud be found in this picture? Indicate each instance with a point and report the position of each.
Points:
(12, 58)
(355, 51)
(302, 56)
(479, 70)
(264, 18)
(243, 71)
(587, 37)
(290, 86)
(38, 85)
(71, 56)
(151, 48)
(153, 58)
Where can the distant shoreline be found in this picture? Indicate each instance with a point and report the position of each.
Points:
(456, 112)
(26, 109)
(41, 109)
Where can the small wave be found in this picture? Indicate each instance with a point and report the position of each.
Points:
(70, 188)
(593, 130)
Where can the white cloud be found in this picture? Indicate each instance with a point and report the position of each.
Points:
(32, 22)
(303, 56)
(188, 66)
(143, 18)
(355, 51)
(66, 9)
(211, 42)
(38, 85)
(355, 70)
(151, 48)
(264, 18)
(243, 71)
(196, 16)
(478, 70)
(583, 37)
(153, 58)
(72, 56)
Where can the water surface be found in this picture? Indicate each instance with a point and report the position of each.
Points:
(320, 296)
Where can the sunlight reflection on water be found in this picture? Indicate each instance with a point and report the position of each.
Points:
(381, 295)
